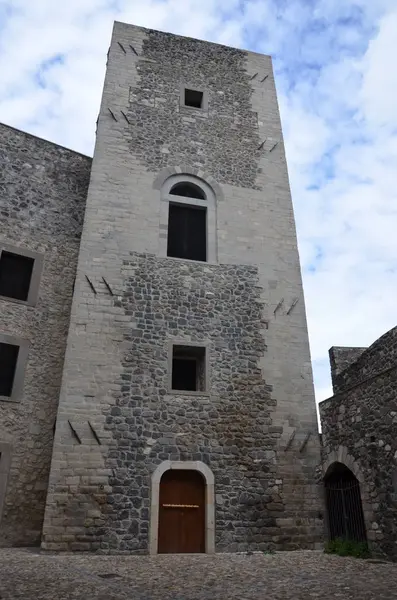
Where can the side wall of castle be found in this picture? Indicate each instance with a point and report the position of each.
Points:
(42, 200)
(359, 430)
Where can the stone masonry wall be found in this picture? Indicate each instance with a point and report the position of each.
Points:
(143, 132)
(362, 418)
(341, 358)
(230, 430)
(43, 191)
(166, 133)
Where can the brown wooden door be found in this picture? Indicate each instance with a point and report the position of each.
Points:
(181, 512)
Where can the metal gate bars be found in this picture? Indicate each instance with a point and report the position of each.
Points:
(344, 507)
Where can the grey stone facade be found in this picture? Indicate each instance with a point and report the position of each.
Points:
(43, 192)
(255, 428)
(166, 133)
(217, 306)
(252, 429)
(359, 425)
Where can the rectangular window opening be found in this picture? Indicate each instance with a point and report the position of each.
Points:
(188, 368)
(194, 98)
(187, 232)
(8, 363)
(15, 275)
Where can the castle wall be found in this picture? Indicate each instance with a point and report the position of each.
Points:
(341, 358)
(43, 190)
(359, 426)
(256, 429)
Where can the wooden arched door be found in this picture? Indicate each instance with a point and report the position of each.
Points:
(181, 512)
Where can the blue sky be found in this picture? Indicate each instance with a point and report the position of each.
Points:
(337, 83)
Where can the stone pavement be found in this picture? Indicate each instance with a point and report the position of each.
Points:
(30, 575)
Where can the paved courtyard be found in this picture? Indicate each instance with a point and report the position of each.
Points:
(28, 574)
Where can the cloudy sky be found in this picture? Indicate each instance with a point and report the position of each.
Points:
(336, 74)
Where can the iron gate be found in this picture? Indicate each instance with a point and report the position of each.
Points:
(344, 507)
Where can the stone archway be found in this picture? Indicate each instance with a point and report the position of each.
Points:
(341, 455)
(345, 516)
(208, 477)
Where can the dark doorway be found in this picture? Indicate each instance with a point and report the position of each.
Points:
(187, 232)
(344, 507)
(181, 513)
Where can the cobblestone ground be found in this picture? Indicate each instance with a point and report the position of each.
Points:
(302, 575)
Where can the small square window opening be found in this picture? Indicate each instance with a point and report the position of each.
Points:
(15, 275)
(188, 368)
(8, 363)
(194, 98)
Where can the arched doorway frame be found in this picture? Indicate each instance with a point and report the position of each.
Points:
(208, 475)
(342, 456)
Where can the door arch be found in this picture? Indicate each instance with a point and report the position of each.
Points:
(345, 514)
(181, 512)
(209, 501)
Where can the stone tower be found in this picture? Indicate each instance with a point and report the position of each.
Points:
(186, 418)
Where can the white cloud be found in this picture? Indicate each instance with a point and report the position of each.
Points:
(337, 86)
(352, 215)
(378, 92)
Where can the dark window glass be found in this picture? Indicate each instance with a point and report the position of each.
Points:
(15, 275)
(187, 232)
(8, 363)
(189, 190)
(193, 98)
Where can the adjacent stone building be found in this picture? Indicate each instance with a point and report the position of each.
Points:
(186, 418)
(43, 194)
(359, 434)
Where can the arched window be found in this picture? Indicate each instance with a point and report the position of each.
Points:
(188, 189)
(187, 221)
(188, 218)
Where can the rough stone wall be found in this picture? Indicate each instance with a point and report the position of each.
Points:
(217, 305)
(43, 191)
(165, 133)
(362, 418)
(93, 492)
(378, 357)
(340, 358)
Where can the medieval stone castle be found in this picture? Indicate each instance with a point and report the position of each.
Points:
(156, 390)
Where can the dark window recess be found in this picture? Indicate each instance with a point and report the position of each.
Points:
(193, 98)
(184, 374)
(8, 363)
(187, 189)
(188, 368)
(15, 275)
(187, 235)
